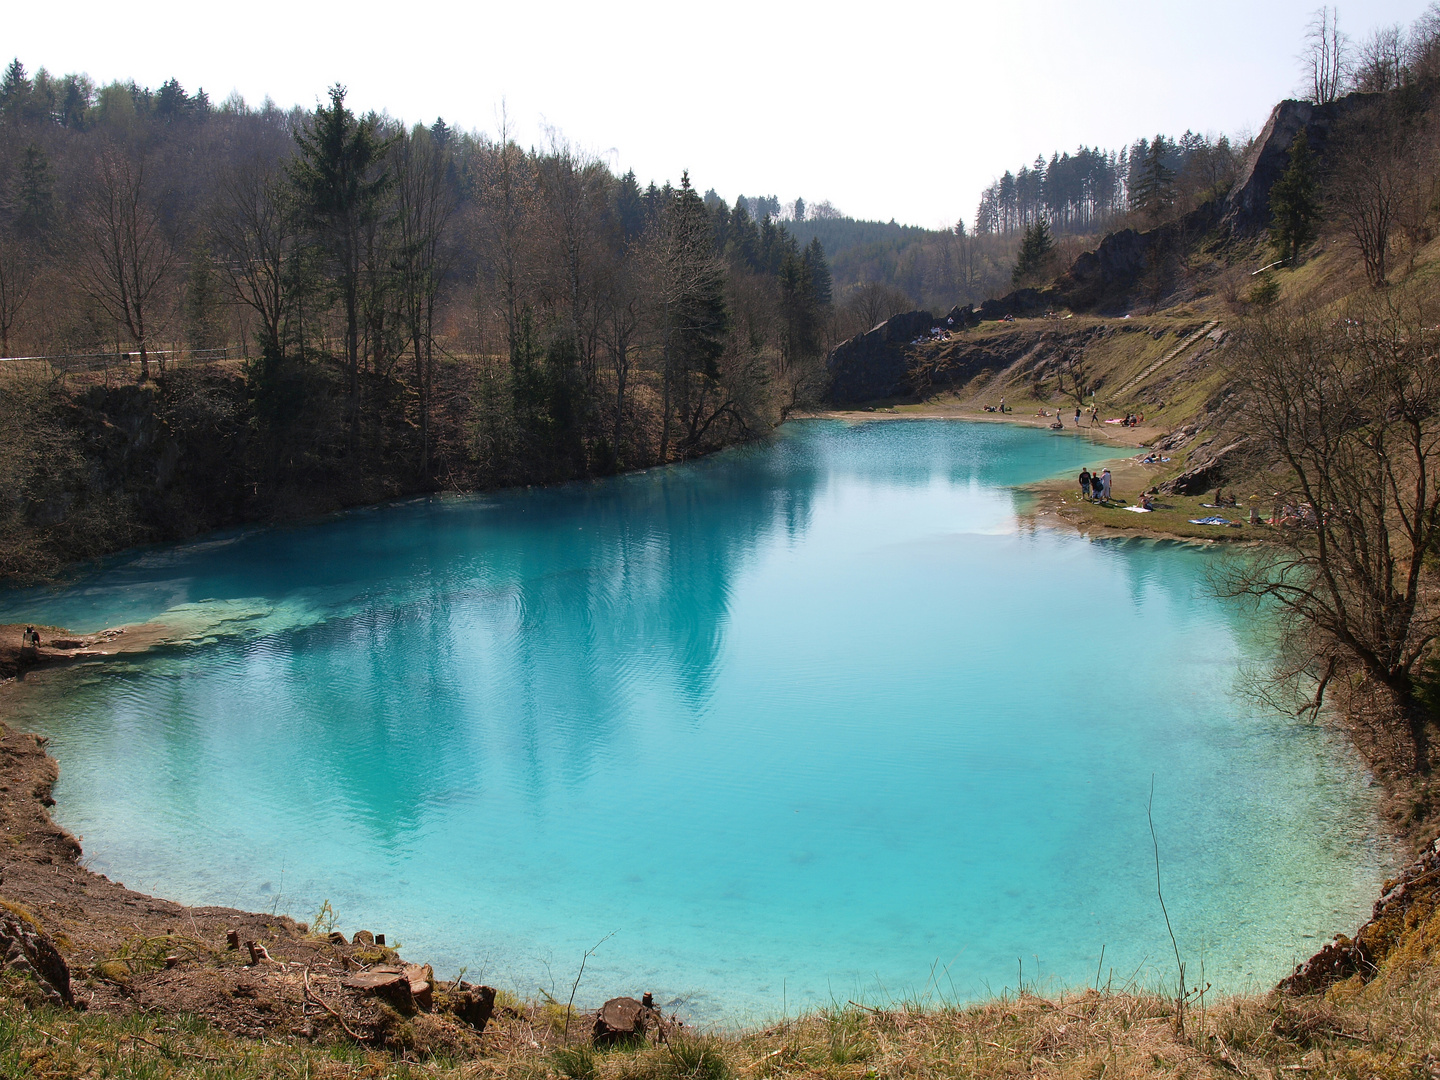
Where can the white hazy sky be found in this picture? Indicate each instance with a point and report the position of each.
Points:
(902, 109)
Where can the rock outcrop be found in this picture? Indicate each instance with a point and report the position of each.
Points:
(874, 364)
(1247, 209)
(29, 952)
(1402, 926)
(1209, 468)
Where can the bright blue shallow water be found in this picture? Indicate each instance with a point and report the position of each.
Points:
(799, 723)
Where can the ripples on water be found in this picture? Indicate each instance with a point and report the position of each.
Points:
(804, 722)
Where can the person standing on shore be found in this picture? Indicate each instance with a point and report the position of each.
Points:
(1085, 483)
(1105, 486)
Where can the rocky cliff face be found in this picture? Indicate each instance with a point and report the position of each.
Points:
(1247, 208)
(876, 364)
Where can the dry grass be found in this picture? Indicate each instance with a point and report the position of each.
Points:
(1388, 1029)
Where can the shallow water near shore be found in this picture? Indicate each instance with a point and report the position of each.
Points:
(811, 721)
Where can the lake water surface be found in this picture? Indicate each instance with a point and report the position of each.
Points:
(815, 720)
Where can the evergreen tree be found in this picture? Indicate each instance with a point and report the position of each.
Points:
(1295, 202)
(819, 270)
(76, 97)
(1154, 190)
(14, 91)
(35, 199)
(1035, 249)
(203, 306)
(690, 297)
(171, 101)
(629, 206)
(340, 179)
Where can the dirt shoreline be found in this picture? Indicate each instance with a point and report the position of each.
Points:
(129, 952)
(1056, 502)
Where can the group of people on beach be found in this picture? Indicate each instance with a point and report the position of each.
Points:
(1095, 487)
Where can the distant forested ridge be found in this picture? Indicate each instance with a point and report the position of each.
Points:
(1086, 192)
(247, 312)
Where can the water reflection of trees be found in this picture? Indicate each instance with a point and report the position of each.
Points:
(519, 638)
(515, 645)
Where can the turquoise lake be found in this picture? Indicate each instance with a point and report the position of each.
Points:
(815, 720)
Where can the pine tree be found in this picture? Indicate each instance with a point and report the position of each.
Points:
(203, 306)
(1295, 202)
(1154, 190)
(14, 90)
(1034, 252)
(821, 287)
(630, 206)
(35, 197)
(339, 176)
(689, 284)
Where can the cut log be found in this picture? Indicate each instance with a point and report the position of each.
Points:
(475, 1006)
(392, 987)
(619, 1020)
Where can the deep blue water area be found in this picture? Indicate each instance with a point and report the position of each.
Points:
(807, 721)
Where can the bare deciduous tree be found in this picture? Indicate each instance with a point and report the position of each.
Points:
(1351, 411)
(1326, 57)
(573, 188)
(122, 258)
(621, 309)
(869, 305)
(255, 239)
(1379, 60)
(1372, 179)
(505, 195)
(17, 278)
(424, 207)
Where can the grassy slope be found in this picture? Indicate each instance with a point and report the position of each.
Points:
(1388, 1028)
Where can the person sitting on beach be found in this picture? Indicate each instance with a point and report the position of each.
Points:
(1146, 501)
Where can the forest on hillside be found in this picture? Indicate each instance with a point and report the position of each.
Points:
(302, 309)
